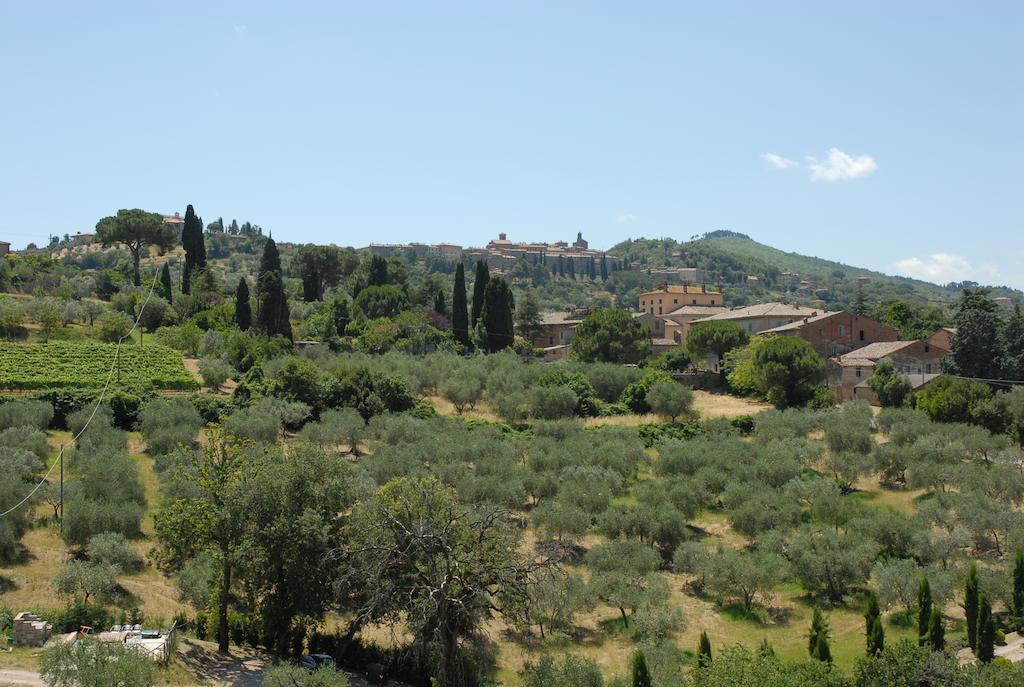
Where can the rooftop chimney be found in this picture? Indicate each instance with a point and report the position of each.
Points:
(502, 236)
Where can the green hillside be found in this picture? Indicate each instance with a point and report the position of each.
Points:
(728, 258)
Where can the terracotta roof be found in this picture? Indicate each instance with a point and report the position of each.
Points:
(916, 381)
(866, 356)
(680, 288)
(560, 317)
(796, 324)
(706, 310)
(764, 310)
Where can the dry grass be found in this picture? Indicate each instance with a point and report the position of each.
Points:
(711, 405)
(479, 412)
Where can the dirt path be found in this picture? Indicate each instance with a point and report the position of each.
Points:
(9, 676)
(240, 668)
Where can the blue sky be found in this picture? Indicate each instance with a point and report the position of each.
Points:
(882, 134)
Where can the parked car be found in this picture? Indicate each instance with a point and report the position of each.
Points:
(317, 661)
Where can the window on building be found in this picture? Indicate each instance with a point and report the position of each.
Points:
(675, 301)
(858, 372)
(861, 334)
(712, 301)
(842, 329)
(659, 309)
(551, 341)
(926, 348)
(695, 301)
(928, 368)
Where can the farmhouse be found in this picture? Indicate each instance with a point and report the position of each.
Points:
(919, 360)
(836, 333)
(758, 318)
(669, 299)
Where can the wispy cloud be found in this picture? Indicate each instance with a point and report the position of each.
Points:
(839, 166)
(240, 29)
(779, 161)
(943, 268)
(626, 218)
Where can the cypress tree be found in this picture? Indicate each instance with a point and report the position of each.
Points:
(704, 650)
(439, 302)
(243, 311)
(872, 614)
(924, 610)
(876, 639)
(1018, 589)
(819, 629)
(561, 266)
(986, 631)
(604, 268)
(497, 315)
(936, 632)
(272, 314)
(460, 317)
(971, 605)
(378, 271)
(641, 674)
(572, 268)
(822, 651)
(165, 282)
(195, 247)
(483, 275)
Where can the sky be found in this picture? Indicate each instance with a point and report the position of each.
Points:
(881, 134)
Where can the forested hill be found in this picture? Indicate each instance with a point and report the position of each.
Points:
(727, 258)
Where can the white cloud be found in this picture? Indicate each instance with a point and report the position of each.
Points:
(943, 268)
(779, 161)
(839, 166)
(626, 218)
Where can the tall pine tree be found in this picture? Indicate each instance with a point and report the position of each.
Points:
(460, 316)
(936, 632)
(924, 610)
(378, 271)
(876, 639)
(497, 315)
(977, 342)
(1017, 597)
(243, 311)
(483, 275)
(971, 605)
(165, 282)
(986, 631)
(704, 650)
(195, 248)
(272, 313)
(1012, 361)
(872, 614)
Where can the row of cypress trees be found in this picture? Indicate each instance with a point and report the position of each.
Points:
(488, 324)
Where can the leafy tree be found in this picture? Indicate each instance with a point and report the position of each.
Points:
(936, 632)
(272, 302)
(483, 275)
(165, 282)
(716, 336)
(463, 390)
(195, 248)
(49, 317)
(745, 576)
(215, 371)
(611, 336)
(460, 316)
(574, 671)
(986, 631)
(954, 400)
(554, 601)
(136, 230)
(528, 317)
(976, 343)
(113, 549)
(380, 301)
(670, 399)
(291, 675)
(97, 664)
(83, 580)
(829, 563)
(496, 315)
(413, 554)
(924, 610)
(787, 370)
(891, 387)
(638, 667)
(243, 310)
(213, 517)
(704, 650)
(624, 575)
(971, 605)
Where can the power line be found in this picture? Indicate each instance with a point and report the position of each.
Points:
(95, 409)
